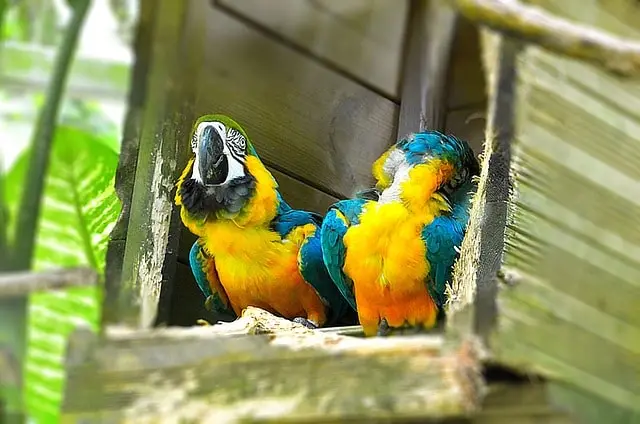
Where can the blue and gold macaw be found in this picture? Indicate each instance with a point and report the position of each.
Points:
(252, 249)
(391, 258)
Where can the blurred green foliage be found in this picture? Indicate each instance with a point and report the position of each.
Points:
(79, 208)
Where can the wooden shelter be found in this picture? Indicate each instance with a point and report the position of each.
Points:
(541, 321)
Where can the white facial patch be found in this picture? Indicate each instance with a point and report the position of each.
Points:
(393, 162)
(397, 166)
(236, 167)
(392, 193)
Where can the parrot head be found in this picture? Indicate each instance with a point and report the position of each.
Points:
(220, 148)
(217, 178)
(426, 147)
(466, 167)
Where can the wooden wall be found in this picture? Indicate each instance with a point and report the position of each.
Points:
(316, 85)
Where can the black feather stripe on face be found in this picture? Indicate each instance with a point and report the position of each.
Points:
(231, 197)
(237, 144)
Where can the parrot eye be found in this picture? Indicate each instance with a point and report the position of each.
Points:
(194, 142)
(237, 143)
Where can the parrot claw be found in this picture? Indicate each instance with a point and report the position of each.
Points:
(383, 328)
(306, 322)
(203, 322)
(208, 303)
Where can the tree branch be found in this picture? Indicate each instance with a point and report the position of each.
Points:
(532, 24)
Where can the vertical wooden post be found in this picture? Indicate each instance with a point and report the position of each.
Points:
(126, 172)
(499, 135)
(431, 31)
(151, 247)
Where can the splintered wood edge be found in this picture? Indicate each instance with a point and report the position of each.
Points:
(535, 25)
(298, 374)
(24, 283)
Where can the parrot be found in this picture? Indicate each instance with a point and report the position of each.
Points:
(252, 248)
(392, 256)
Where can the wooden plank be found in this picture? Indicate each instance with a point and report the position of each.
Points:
(570, 266)
(150, 251)
(467, 85)
(474, 284)
(531, 24)
(526, 403)
(468, 124)
(432, 29)
(322, 128)
(129, 146)
(619, 17)
(291, 374)
(363, 38)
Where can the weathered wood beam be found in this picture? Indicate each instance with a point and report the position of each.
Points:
(532, 24)
(431, 31)
(474, 288)
(129, 147)
(152, 237)
(291, 373)
(23, 283)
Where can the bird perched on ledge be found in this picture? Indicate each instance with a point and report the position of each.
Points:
(252, 249)
(393, 257)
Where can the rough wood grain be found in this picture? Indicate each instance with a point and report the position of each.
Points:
(129, 146)
(468, 124)
(150, 251)
(304, 119)
(571, 267)
(431, 31)
(534, 25)
(292, 373)
(526, 403)
(360, 37)
(473, 291)
(466, 81)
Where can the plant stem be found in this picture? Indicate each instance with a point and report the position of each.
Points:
(4, 248)
(27, 218)
(3, 12)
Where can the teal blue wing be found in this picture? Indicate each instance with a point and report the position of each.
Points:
(443, 238)
(311, 264)
(339, 218)
(204, 271)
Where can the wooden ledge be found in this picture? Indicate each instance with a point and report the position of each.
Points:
(226, 373)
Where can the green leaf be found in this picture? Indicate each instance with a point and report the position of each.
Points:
(13, 185)
(78, 212)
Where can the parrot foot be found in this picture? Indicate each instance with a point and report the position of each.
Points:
(383, 328)
(203, 322)
(306, 322)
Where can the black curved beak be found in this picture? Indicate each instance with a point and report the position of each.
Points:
(446, 191)
(369, 194)
(212, 161)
